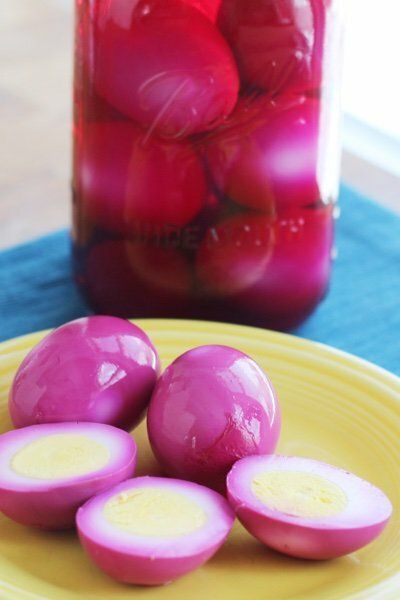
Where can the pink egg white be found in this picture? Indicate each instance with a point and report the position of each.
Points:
(305, 508)
(152, 530)
(48, 471)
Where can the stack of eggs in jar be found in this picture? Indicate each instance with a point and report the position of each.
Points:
(201, 179)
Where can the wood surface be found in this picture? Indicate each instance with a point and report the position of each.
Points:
(35, 104)
(35, 118)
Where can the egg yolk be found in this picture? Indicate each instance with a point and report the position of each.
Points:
(154, 512)
(299, 494)
(59, 456)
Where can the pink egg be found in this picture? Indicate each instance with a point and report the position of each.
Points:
(162, 271)
(212, 406)
(94, 109)
(296, 276)
(131, 278)
(278, 45)
(276, 269)
(266, 157)
(150, 530)
(305, 508)
(98, 369)
(48, 471)
(125, 178)
(166, 66)
(234, 254)
(208, 7)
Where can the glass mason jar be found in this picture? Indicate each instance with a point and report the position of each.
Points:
(206, 155)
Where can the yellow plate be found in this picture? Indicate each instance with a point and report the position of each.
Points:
(335, 408)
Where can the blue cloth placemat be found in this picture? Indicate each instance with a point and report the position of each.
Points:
(360, 315)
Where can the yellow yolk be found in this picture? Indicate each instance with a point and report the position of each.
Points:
(154, 512)
(299, 494)
(60, 456)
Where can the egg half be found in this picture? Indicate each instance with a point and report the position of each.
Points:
(48, 471)
(151, 530)
(305, 508)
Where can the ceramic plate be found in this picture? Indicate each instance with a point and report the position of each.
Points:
(336, 408)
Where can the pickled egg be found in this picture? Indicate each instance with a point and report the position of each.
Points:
(97, 369)
(127, 178)
(278, 45)
(276, 269)
(48, 471)
(297, 273)
(212, 406)
(265, 157)
(166, 66)
(305, 508)
(234, 255)
(151, 530)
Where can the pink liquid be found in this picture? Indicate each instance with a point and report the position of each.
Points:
(202, 185)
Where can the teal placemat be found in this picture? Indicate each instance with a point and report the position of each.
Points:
(360, 315)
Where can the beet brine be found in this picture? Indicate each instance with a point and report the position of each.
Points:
(206, 157)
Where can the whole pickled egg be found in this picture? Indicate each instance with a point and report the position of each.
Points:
(151, 530)
(278, 45)
(162, 271)
(48, 471)
(235, 253)
(127, 178)
(166, 66)
(212, 406)
(296, 275)
(275, 269)
(97, 369)
(265, 157)
(306, 508)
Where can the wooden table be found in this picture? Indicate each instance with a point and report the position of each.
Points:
(35, 99)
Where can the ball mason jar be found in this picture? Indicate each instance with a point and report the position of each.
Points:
(206, 157)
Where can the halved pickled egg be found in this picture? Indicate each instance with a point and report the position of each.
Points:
(306, 508)
(48, 471)
(151, 530)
